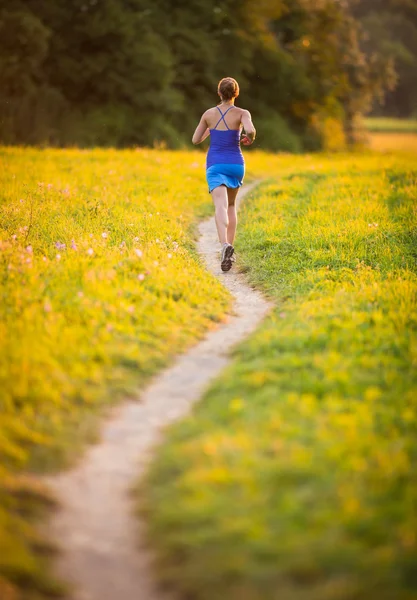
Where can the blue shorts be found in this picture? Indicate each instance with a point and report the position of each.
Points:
(223, 174)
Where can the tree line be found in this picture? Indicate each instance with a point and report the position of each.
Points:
(141, 72)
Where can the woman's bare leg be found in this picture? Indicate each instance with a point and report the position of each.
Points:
(219, 195)
(231, 213)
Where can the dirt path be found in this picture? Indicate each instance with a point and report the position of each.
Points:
(102, 555)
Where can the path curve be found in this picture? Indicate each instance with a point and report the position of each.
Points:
(102, 550)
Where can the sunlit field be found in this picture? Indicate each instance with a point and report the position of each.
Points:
(387, 142)
(387, 124)
(101, 286)
(295, 477)
(388, 135)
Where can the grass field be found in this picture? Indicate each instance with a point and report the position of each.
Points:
(390, 125)
(100, 287)
(295, 478)
(387, 142)
(389, 135)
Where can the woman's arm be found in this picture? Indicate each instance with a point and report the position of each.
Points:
(202, 131)
(249, 128)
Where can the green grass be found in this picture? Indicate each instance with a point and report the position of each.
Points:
(392, 135)
(390, 125)
(295, 478)
(100, 287)
(85, 324)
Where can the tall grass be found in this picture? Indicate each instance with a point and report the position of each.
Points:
(295, 477)
(101, 285)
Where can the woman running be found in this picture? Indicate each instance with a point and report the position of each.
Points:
(225, 162)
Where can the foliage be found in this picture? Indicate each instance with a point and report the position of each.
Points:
(100, 287)
(295, 478)
(390, 28)
(142, 72)
(276, 135)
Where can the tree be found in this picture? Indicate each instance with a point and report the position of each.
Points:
(142, 71)
(390, 32)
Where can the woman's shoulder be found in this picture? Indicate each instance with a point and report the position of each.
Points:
(211, 110)
(215, 109)
(243, 111)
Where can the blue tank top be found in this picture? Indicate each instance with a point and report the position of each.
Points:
(224, 145)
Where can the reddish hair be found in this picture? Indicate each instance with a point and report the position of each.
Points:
(228, 88)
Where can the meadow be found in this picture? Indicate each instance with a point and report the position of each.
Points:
(294, 478)
(102, 286)
(386, 141)
(385, 134)
(390, 125)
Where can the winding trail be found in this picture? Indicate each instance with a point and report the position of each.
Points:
(102, 550)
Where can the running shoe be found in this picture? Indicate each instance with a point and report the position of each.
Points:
(226, 260)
